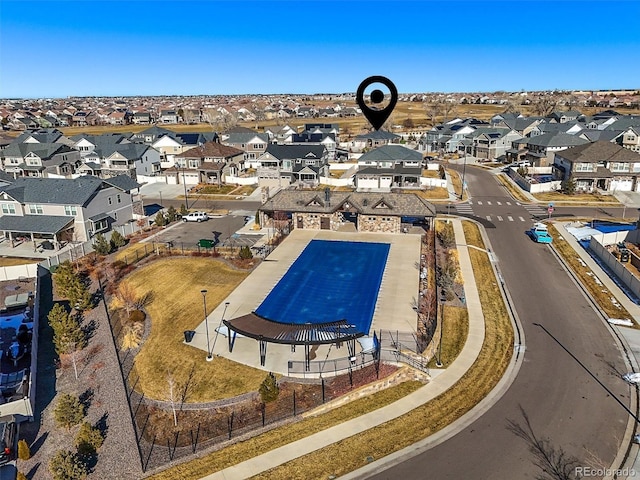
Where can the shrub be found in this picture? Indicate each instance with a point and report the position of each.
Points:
(132, 337)
(172, 214)
(117, 240)
(21, 476)
(24, 452)
(160, 220)
(68, 411)
(245, 253)
(66, 465)
(101, 246)
(269, 389)
(89, 439)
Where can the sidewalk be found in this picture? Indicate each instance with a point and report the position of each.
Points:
(438, 384)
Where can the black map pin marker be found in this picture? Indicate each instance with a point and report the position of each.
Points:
(377, 117)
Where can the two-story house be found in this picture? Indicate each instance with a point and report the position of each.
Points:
(599, 165)
(490, 143)
(540, 149)
(40, 160)
(171, 144)
(389, 166)
(62, 210)
(209, 163)
(130, 159)
(252, 143)
(283, 165)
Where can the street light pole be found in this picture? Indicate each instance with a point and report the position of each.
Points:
(206, 323)
(464, 171)
(226, 304)
(184, 183)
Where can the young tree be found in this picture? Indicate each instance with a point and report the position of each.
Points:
(245, 253)
(172, 395)
(68, 411)
(172, 214)
(101, 246)
(269, 389)
(64, 277)
(160, 219)
(183, 210)
(568, 186)
(66, 465)
(127, 297)
(117, 240)
(67, 332)
(89, 439)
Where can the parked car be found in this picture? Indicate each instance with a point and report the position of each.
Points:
(540, 233)
(7, 439)
(195, 217)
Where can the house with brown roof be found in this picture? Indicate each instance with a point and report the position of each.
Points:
(209, 163)
(599, 166)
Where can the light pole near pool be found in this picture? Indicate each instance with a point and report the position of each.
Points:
(206, 324)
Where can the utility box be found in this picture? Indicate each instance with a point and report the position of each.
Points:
(204, 243)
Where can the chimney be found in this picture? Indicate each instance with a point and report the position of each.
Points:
(327, 196)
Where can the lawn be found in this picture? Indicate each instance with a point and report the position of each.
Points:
(588, 198)
(174, 309)
(12, 261)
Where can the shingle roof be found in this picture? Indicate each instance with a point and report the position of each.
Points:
(246, 137)
(295, 151)
(57, 191)
(556, 140)
(400, 204)
(211, 149)
(43, 150)
(47, 224)
(378, 135)
(598, 152)
(123, 182)
(391, 153)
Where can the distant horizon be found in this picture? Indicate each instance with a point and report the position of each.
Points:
(140, 48)
(313, 94)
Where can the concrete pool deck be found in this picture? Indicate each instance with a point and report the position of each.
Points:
(394, 307)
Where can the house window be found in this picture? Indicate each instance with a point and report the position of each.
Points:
(70, 210)
(118, 196)
(109, 200)
(35, 209)
(100, 225)
(194, 163)
(310, 162)
(584, 167)
(8, 209)
(619, 167)
(33, 162)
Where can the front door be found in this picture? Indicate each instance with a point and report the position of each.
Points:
(300, 224)
(325, 223)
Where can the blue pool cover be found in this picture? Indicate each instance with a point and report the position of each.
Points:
(329, 281)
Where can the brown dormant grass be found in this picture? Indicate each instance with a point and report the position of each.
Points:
(172, 309)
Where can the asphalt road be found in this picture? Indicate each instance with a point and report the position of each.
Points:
(563, 403)
(200, 204)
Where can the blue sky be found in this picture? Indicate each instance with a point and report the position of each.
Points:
(105, 48)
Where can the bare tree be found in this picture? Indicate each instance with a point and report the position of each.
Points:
(544, 105)
(555, 463)
(171, 395)
(433, 110)
(127, 297)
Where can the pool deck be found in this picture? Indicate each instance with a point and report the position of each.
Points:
(394, 308)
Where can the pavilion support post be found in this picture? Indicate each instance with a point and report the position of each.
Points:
(263, 351)
(306, 357)
(231, 341)
(351, 347)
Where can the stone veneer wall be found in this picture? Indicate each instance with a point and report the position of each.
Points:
(311, 221)
(378, 223)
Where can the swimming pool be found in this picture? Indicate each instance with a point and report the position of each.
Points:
(329, 281)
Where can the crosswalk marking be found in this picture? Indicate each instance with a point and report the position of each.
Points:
(521, 219)
(499, 218)
(510, 219)
(479, 202)
(488, 202)
(508, 203)
(499, 203)
(489, 217)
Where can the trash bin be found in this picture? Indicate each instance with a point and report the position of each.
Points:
(188, 335)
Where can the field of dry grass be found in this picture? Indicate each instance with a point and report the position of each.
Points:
(12, 261)
(172, 310)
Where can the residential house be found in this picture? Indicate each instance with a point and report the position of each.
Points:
(564, 117)
(63, 210)
(150, 135)
(209, 163)
(172, 144)
(283, 165)
(630, 138)
(252, 143)
(280, 135)
(487, 143)
(374, 139)
(130, 159)
(540, 150)
(389, 166)
(40, 160)
(169, 116)
(601, 165)
(141, 118)
(86, 144)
